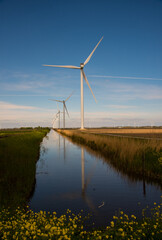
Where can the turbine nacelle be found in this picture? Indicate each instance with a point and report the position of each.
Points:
(82, 65)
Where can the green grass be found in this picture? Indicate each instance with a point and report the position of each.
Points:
(19, 151)
(42, 225)
(134, 157)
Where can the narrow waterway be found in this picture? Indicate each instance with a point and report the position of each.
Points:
(69, 177)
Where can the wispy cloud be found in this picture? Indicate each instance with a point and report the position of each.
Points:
(35, 84)
(26, 85)
(121, 106)
(121, 77)
(27, 95)
(116, 115)
(7, 106)
(20, 115)
(43, 117)
(129, 91)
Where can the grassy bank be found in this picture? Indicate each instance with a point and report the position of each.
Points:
(19, 151)
(134, 157)
(42, 225)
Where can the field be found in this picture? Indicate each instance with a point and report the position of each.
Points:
(136, 153)
(19, 151)
(130, 132)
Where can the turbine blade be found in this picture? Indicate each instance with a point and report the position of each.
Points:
(88, 84)
(66, 110)
(89, 57)
(55, 100)
(62, 66)
(69, 96)
(53, 121)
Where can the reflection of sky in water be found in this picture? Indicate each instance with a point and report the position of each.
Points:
(65, 181)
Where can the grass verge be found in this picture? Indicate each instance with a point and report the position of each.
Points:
(19, 151)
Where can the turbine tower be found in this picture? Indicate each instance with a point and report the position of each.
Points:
(64, 107)
(82, 75)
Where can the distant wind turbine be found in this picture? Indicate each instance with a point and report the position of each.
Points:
(82, 75)
(58, 115)
(54, 119)
(64, 107)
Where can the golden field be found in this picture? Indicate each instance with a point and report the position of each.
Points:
(134, 132)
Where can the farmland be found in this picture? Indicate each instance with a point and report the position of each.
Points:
(130, 132)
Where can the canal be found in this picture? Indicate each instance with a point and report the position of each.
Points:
(68, 176)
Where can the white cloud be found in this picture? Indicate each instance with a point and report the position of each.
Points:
(132, 91)
(44, 117)
(116, 115)
(26, 86)
(10, 106)
(19, 113)
(121, 77)
(120, 106)
(33, 84)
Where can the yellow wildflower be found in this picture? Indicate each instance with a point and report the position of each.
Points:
(112, 224)
(120, 230)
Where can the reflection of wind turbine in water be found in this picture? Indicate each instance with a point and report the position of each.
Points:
(64, 107)
(82, 75)
(76, 195)
(64, 149)
(59, 146)
(82, 162)
(85, 184)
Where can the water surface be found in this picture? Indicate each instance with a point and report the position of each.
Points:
(69, 177)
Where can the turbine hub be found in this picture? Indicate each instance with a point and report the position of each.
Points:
(82, 65)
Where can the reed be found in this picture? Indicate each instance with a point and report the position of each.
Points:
(141, 157)
(19, 151)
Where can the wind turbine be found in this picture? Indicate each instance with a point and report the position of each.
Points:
(64, 107)
(58, 115)
(82, 75)
(54, 119)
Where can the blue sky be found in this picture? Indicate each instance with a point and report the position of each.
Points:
(125, 72)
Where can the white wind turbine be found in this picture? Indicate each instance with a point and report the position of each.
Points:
(64, 107)
(82, 75)
(58, 116)
(54, 119)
